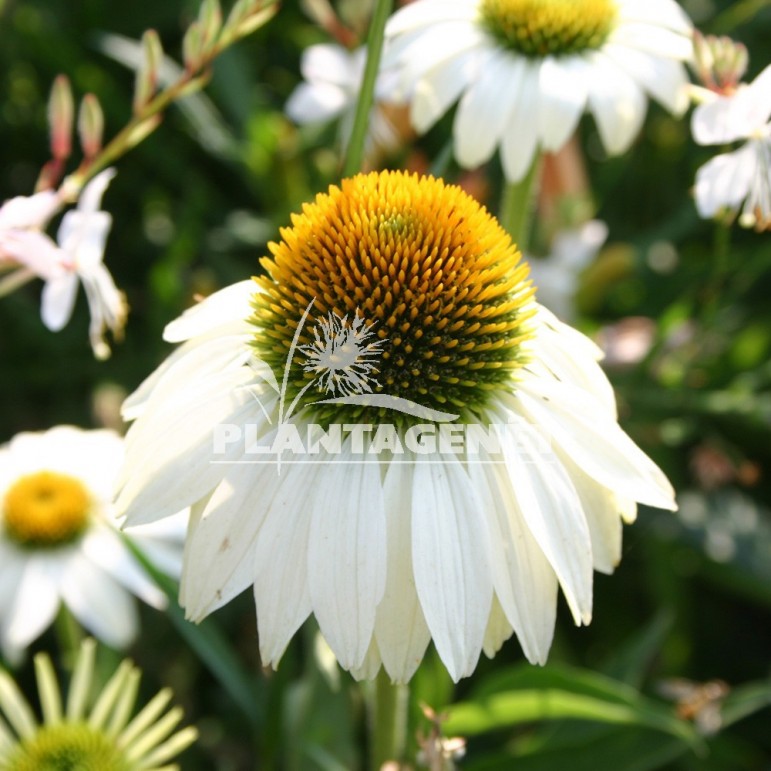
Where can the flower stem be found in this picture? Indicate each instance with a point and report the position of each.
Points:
(388, 721)
(355, 153)
(517, 203)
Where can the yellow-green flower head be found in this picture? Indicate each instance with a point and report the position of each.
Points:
(524, 71)
(88, 733)
(323, 420)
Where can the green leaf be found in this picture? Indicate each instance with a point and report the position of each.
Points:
(745, 700)
(620, 750)
(528, 694)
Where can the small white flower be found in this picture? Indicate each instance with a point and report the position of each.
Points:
(744, 175)
(82, 236)
(333, 78)
(526, 70)
(556, 276)
(59, 541)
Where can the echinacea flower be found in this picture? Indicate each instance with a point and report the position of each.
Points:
(333, 77)
(90, 730)
(525, 70)
(59, 542)
(556, 276)
(389, 541)
(740, 179)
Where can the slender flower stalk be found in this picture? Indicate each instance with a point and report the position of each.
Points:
(355, 151)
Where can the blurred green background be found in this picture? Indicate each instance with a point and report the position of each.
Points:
(193, 208)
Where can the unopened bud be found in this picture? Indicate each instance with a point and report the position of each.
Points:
(192, 47)
(720, 63)
(61, 111)
(90, 125)
(147, 74)
(210, 19)
(245, 17)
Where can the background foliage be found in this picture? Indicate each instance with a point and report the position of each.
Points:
(193, 209)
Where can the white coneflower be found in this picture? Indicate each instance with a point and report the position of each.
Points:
(59, 542)
(88, 732)
(525, 70)
(392, 543)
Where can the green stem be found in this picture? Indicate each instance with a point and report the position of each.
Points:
(517, 203)
(69, 634)
(355, 153)
(388, 721)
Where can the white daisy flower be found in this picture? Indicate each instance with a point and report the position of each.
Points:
(82, 236)
(740, 179)
(418, 543)
(93, 729)
(556, 276)
(59, 541)
(525, 70)
(333, 76)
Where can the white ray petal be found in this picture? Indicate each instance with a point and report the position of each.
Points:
(346, 556)
(451, 555)
(400, 628)
(521, 134)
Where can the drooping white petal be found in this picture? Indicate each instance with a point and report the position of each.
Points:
(98, 602)
(552, 511)
(589, 435)
(400, 627)
(219, 553)
(603, 515)
(521, 134)
(451, 555)
(525, 583)
(371, 664)
(561, 99)
(617, 103)
(346, 556)
(281, 591)
(653, 39)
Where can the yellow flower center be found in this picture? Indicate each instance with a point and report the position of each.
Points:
(412, 270)
(67, 747)
(45, 509)
(537, 28)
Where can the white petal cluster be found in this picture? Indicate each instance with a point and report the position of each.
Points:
(94, 575)
(387, 556)
(76, 257)
(740, 179)
(522, 104)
